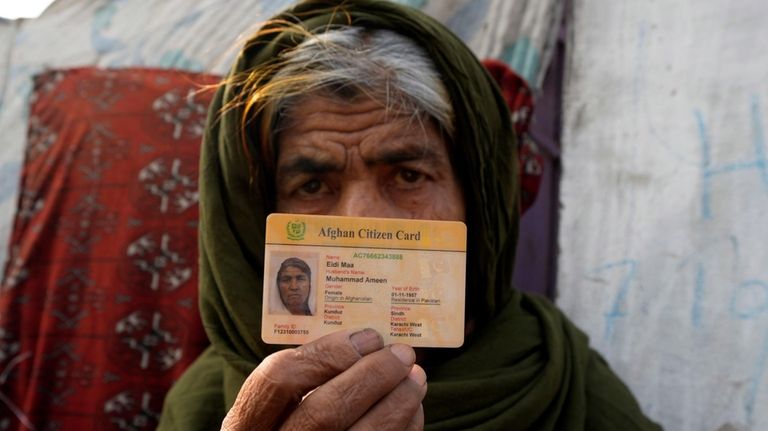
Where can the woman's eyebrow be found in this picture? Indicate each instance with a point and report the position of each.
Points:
(308, 165)
(403, 153)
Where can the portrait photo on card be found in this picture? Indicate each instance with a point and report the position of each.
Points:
(292, 283)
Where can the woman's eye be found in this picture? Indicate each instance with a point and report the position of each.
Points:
(410, 176)
(311, 187)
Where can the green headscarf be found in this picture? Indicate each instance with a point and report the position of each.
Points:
(525, 366)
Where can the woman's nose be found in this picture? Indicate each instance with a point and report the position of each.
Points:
(364, 200)
(294, 285)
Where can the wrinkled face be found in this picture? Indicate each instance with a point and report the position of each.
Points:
(357, 159)
(293, 284)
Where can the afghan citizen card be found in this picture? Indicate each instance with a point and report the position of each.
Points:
(404, 278)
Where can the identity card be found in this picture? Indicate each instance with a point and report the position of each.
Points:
(403, 278)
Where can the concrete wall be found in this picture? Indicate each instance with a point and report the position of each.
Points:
(664, 228)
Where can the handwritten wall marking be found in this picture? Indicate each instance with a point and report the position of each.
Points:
(709, 171)
(619, 306)
(750, 299)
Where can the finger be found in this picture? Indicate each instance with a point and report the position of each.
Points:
(340, 402)
(278, 383)
(417, 423)
(401, 409)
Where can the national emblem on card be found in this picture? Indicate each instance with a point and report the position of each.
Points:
(296, 230)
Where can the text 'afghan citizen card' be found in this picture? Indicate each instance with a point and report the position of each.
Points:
(404, 278)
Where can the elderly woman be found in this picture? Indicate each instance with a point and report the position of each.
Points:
(294, 284)
(366, 108)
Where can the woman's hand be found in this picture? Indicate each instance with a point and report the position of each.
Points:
(336, 382)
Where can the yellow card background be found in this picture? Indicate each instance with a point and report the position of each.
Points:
(409, 286)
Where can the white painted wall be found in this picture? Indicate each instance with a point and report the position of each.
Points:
(664, 228)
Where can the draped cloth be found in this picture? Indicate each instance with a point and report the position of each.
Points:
(524, 367)
(97, 308)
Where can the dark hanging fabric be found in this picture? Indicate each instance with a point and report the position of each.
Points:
(525, 365)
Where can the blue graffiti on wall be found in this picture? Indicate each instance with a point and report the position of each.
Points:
(748, 303)
(619, 306)
(709, 171)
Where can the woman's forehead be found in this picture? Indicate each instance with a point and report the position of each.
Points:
(292, 269)
(324, 129)
(293, 266)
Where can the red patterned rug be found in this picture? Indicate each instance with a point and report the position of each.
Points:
(98, 309)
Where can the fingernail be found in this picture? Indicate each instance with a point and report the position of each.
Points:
(366, 341)
(406, 354)
(418, 375)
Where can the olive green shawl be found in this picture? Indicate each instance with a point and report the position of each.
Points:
(525, 366)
